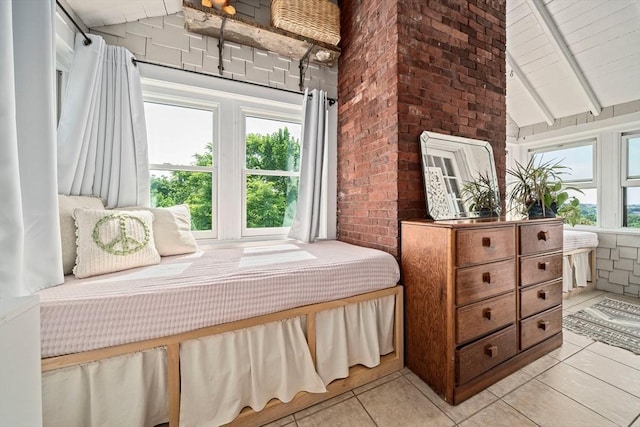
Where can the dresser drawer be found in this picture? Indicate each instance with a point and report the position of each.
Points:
(484, 245)
(484, 281)
(535, 299)
(480, 356)
(540, 327)
(540, 269)
(536, 238)
(477, 319)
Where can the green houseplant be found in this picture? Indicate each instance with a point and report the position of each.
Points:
(537, 191)
(480, 195)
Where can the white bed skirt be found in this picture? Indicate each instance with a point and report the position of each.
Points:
(576, 271)
(221, 374)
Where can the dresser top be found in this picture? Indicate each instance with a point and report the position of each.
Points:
(478, 222)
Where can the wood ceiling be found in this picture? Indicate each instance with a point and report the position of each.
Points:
(565, 57)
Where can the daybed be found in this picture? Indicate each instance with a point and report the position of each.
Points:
(199, 338)
(579, 258)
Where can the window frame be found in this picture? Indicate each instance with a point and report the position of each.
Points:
(214, 109)
(625, 181)
(176, 87)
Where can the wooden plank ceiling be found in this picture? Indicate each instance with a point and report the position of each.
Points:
(565, 56)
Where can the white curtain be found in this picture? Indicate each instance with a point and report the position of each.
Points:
(306, 223)
(30, 253)
(102, 139)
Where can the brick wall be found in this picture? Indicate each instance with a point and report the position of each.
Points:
(164, 40)
(408, 66)
(618, 263)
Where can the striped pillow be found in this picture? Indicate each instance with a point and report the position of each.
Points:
(111, 241)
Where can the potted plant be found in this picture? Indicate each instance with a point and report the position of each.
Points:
(480, 195)
(538, 192)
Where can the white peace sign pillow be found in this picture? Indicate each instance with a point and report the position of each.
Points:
(109, 240)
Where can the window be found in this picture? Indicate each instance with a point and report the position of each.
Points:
(181, 157)
(580, 174)
(631, 180)
(270, 174)
(445, 162)
(234, 158)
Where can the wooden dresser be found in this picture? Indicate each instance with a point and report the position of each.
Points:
(483, 297)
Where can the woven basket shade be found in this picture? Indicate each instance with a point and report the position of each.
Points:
(315, 19)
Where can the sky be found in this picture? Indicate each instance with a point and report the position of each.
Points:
(175, 134)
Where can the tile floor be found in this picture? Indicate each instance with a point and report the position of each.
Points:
(583, 383)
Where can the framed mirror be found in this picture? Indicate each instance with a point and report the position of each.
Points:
(459, 177)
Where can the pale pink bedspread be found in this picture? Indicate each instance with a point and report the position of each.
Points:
(210, 287)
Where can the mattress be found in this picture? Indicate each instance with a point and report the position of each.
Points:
(210, 287)
(574, 239)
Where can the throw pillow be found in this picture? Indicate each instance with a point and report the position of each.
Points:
(66, 206)
(111, 241)
(172, 230)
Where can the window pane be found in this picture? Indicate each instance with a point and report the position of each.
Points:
(177, 134)
(271, 200)
(588, 205)
(578, 159)
(633, 158)
(169, 188)
(272, 144)
(632, 207)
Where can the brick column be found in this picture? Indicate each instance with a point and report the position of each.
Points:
(409, 66)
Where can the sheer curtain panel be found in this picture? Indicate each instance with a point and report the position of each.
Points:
(306, 223)
(102, 139)
(30, 253)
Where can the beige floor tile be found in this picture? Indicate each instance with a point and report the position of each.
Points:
(609, 371)
(540, 365)
(322, 405)
(399, 403)
(616, 353)
(348, 413)
(548, 407)
(405, 370)
(607, 400)
(573, 300)
(459, 412)
(282, 422)
(376, 383)
(510, 383)
(498, 414)
(637, 422)
(573, 338)
(584, 304)
(565, 351)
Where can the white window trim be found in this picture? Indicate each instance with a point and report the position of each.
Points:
(607, 134)
(176, 84)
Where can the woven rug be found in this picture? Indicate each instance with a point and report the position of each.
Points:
(610, 321)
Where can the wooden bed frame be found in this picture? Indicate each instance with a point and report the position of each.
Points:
(592, 260)
(358, 375)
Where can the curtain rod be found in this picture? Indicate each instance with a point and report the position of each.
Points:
(137, 61)
(87, 40)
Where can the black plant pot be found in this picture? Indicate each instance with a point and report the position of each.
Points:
(487, 213)
(535, 211)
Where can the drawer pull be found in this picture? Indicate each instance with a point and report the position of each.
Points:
(543, 235)
(486, 242)
(543, 324)
(491, 350)
(486, 313)
(486, 277)
(542, 265)
(543, 294)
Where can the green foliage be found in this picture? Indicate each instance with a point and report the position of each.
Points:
(270, 199)
(539, 186)
(480, 195)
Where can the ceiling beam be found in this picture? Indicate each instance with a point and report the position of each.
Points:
(557, 41)
(517, 72)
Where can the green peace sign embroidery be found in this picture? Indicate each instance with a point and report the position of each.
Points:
(123, 243)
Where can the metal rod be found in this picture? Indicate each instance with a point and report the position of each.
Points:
(138, 61)
(302, 68)
(87, 40)
(221, 46)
